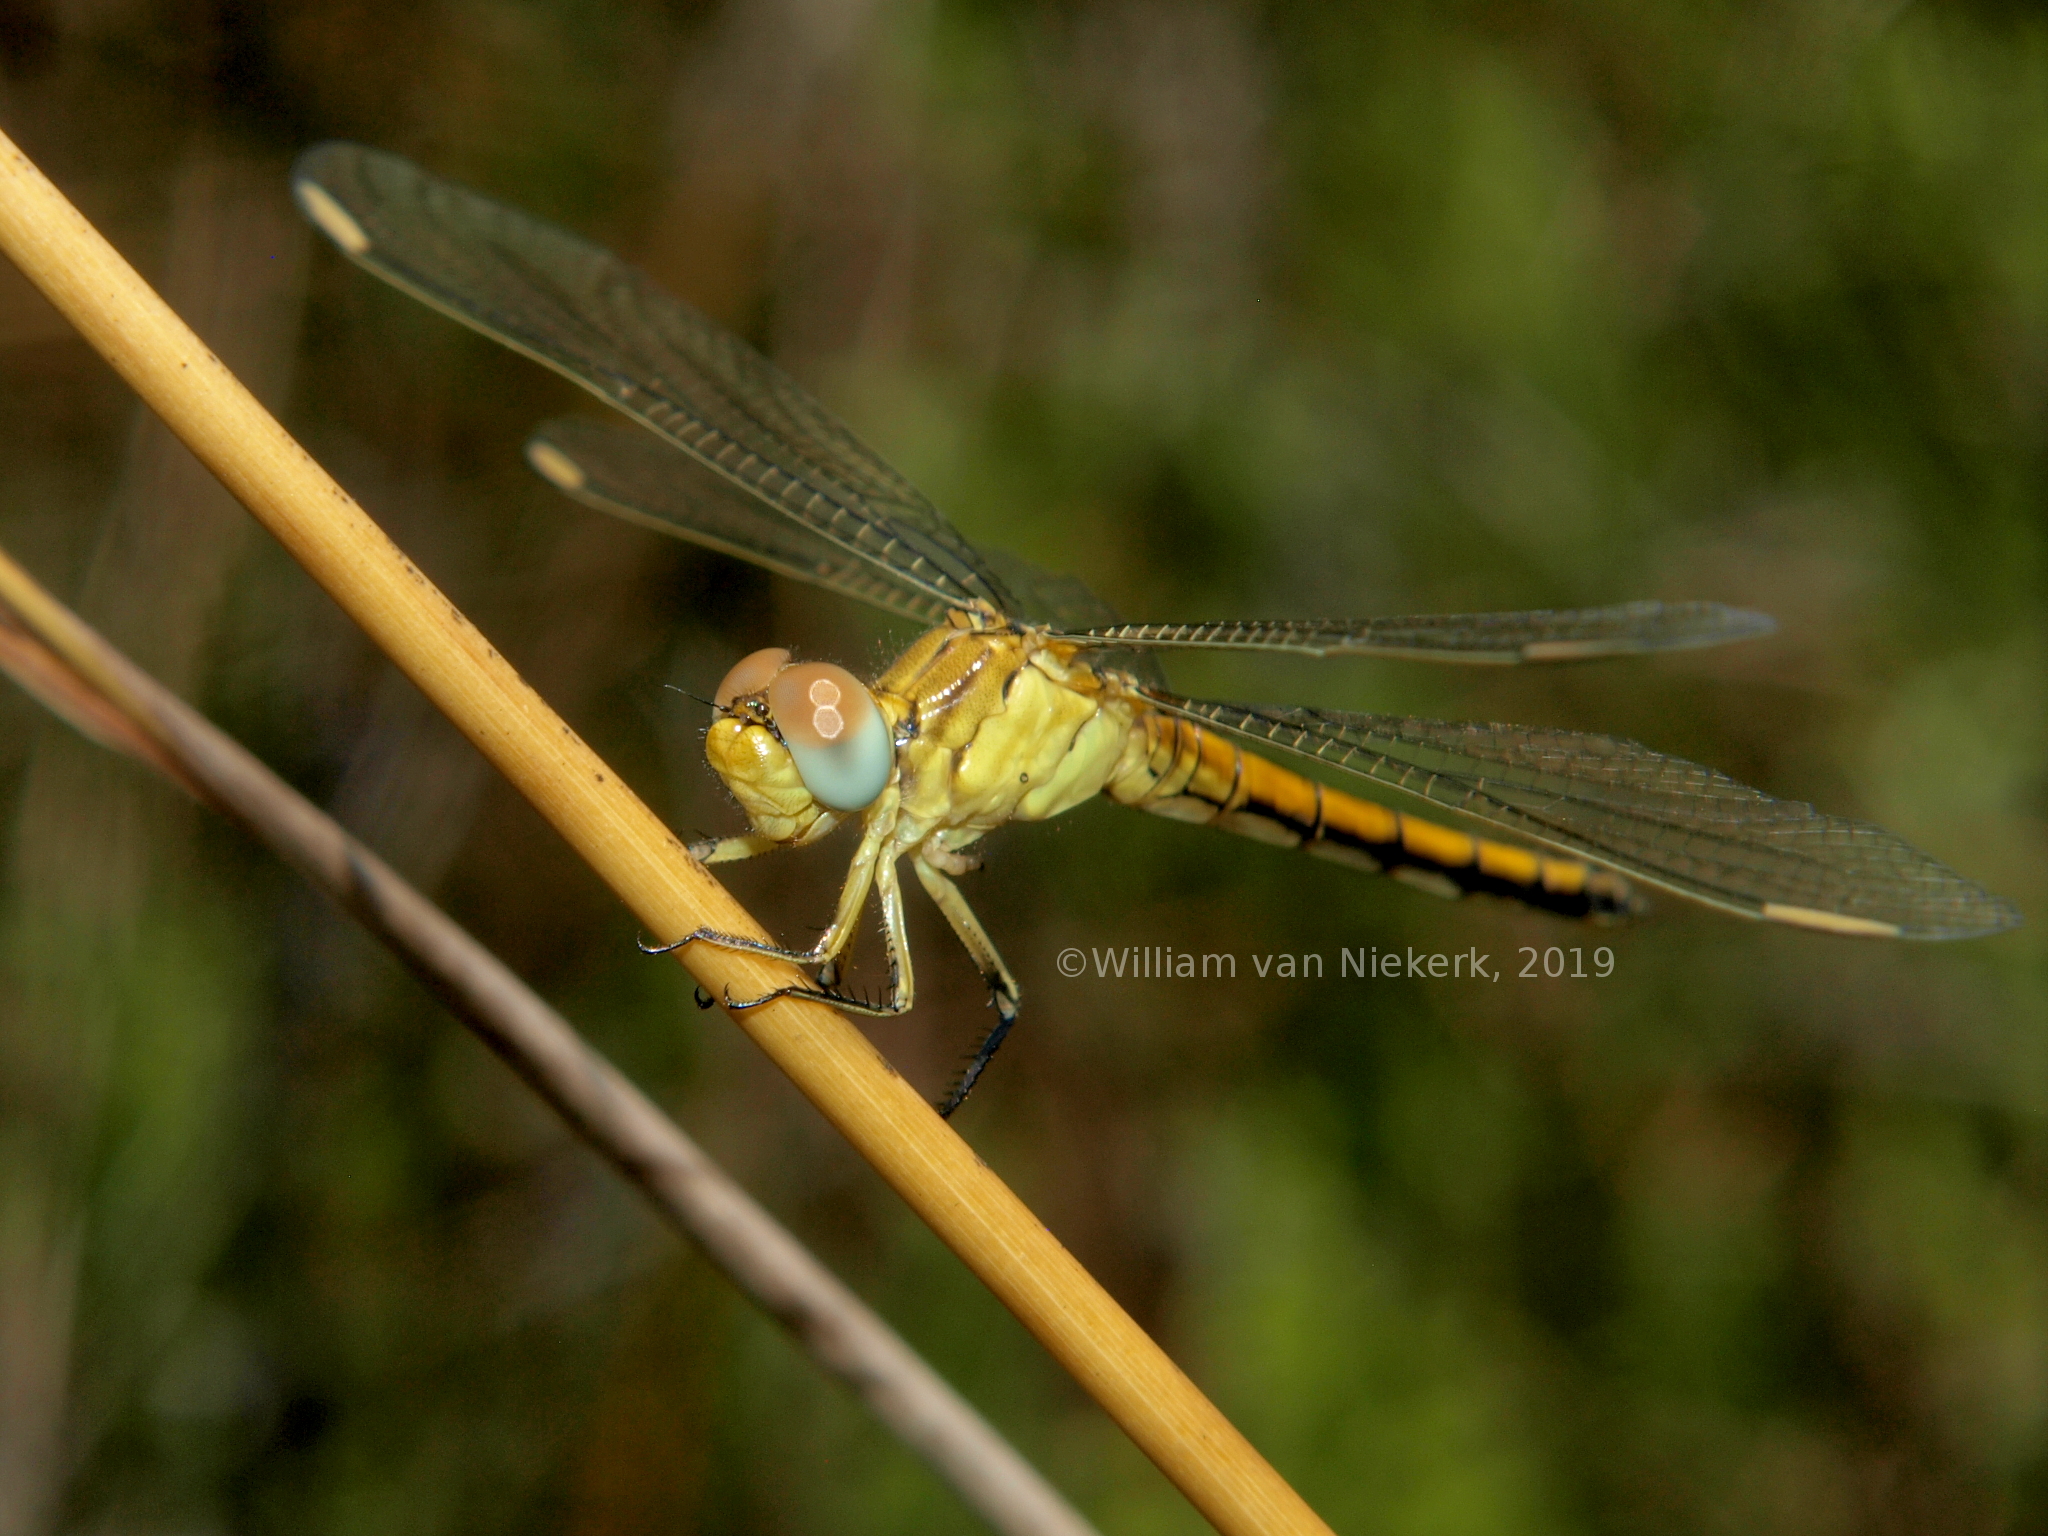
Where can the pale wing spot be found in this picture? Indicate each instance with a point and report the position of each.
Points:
(1828, 922)
(553, 465)
(1573, 650)
(338, 223)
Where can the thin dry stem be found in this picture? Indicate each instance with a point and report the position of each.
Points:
(830, 1061)
(75, 672)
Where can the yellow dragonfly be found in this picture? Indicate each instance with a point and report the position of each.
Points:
(1026, 695)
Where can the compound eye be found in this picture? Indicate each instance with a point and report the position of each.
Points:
(751, 675)
(834, 732)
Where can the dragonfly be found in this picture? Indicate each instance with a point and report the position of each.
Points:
(1026, 695)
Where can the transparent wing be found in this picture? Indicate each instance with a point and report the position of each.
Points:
(1656, 819)
(636, 476)
(1500, 639)
(631, 474)
(1050, 597)
(1067, 602)
(584, 312)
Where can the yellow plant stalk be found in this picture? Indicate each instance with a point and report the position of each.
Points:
(75, 673)
(834, 1065)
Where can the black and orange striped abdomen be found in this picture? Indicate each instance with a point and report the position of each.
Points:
(1196, 775)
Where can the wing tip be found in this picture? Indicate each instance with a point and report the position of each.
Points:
(2000, 916)
(1572, 650)
(1705, 624)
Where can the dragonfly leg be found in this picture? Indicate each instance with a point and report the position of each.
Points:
(860, 875)
(730, 850)
(896, 940)
(1004, 995)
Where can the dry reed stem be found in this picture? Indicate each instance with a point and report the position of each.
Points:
(78, 675)
(830, 1061)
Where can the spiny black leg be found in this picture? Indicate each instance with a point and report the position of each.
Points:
(728, 941)
(1006, 1015)
(841, 1000)
(826, 990)
(1002, 985)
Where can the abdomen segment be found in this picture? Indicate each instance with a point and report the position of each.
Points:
(1177, 769)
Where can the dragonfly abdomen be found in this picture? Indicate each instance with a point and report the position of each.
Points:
(1184, 772)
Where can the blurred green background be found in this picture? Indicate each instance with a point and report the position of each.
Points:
(1271, 310)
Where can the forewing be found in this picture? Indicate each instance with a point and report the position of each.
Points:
(1498, 639)
(582, 311)
(631, 474)
(1659, 820)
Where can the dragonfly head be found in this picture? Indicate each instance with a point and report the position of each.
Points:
(791, 738)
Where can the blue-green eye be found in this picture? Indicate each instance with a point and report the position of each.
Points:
(834, 733)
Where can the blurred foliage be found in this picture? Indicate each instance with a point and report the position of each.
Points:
(1279, 309)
